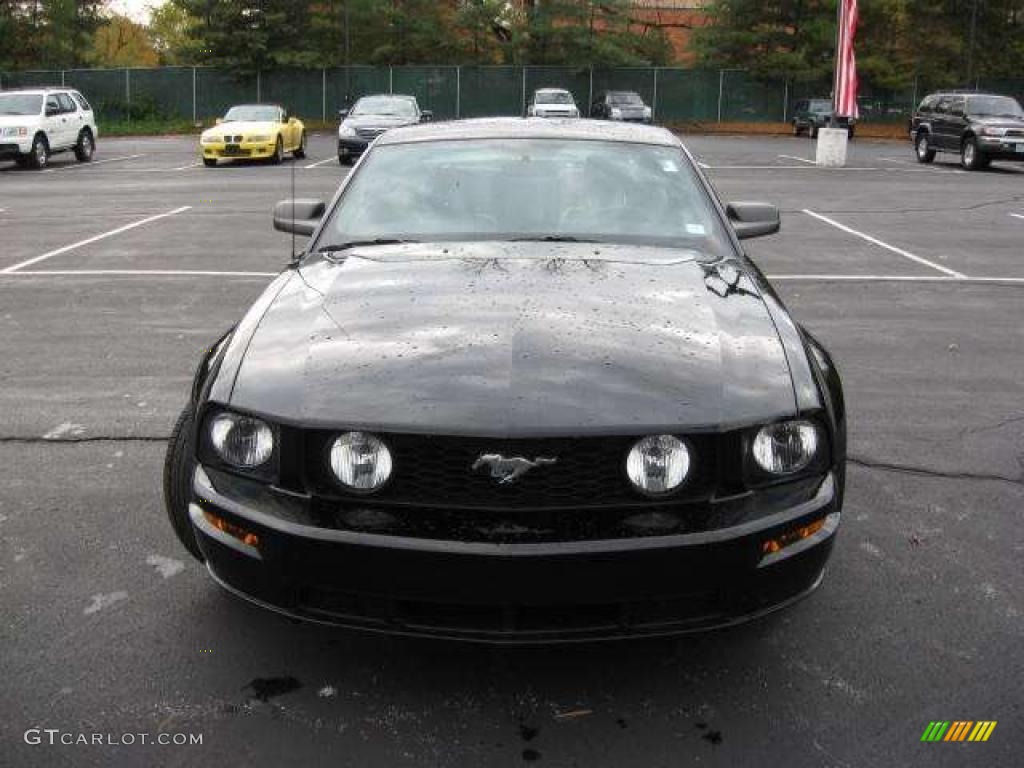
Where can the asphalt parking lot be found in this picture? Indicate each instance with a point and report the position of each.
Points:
(115, 275)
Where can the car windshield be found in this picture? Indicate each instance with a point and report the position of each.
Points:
(252, 113)
(994, 106)
(626, 98)
(821, 105)
(385, 106)
(21, 103)
(527, 189)
(553, 97)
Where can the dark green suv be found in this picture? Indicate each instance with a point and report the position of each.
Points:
(811, 114)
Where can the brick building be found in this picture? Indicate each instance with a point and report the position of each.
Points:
(677, 18)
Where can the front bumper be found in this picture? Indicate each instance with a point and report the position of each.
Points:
(245, 150)
(13, 147)
(352, 146)
(998, 148)
(516, 593)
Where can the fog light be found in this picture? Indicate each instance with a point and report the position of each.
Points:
(772, 546)
(237, 532)
(360, 461)
(658, 464)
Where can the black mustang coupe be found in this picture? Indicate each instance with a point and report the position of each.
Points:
(523, 385)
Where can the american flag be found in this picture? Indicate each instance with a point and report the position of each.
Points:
(846, 62)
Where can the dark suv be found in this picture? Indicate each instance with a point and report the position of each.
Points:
(812, 114)
(980, 127)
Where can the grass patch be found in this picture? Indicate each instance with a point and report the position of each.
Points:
(147, 127)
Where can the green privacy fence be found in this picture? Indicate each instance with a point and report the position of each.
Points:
(675, 94)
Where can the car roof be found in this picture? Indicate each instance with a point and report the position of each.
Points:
(256, 104)
(530, 128)
(552, 90)
(406, 96)
(38, 89)
(967, 93)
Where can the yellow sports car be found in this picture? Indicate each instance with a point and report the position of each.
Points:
(253, 131)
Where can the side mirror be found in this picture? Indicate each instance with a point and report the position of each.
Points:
(753, 219)
(299, 216)
(426, 116)
(218, 121)
(342, 114)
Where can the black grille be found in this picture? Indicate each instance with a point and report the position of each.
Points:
(437, 472)
(369, 133)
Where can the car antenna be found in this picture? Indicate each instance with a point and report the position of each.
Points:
(293, 207)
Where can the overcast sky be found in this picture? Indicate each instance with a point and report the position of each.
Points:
(135, 9)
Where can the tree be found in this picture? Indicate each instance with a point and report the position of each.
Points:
(121, 42)
(169, 26)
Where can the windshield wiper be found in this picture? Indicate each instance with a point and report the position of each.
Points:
(337, 247)
(552, 239)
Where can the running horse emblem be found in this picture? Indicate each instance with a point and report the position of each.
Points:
(508, 470)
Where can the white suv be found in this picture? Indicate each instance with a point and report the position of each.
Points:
(36, 122)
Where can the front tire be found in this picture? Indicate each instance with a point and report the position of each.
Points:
(971, 157)
(278, 156)
(85, 147)
(344, 160)
(813, 131)
(924, 153)
(179, 466)
(300, 152)
(210, 162)
(39, 156)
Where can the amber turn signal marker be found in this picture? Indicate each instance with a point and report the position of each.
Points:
(792, 537)
(231, 529)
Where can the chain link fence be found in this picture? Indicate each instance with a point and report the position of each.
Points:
(199, 94)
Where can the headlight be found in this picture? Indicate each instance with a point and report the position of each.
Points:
(243, 441)
(346, 130)
(616, 113)
(209, 139)
(787, 447)
(658, 464)
(987, 130)
(574, 112)
(648, 113)
(261, 137)
(361, 461)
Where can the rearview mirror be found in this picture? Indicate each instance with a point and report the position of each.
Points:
(753, 219)
(426, 116)
(298, 216)
(342, 114)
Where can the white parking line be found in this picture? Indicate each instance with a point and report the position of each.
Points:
(881, 244)
(92, 163)
(1015, 215)
(899, 279)
(94, 239)
(133, 272)
(186, 167)
(798, 159)
(899, 160)
(319, 162)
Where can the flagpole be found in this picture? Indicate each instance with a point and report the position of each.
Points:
(836, 66)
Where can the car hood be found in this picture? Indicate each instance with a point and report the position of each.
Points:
(1000, 122)
(18, 120)
(244, 127)
(494, 339)
(378, 121)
